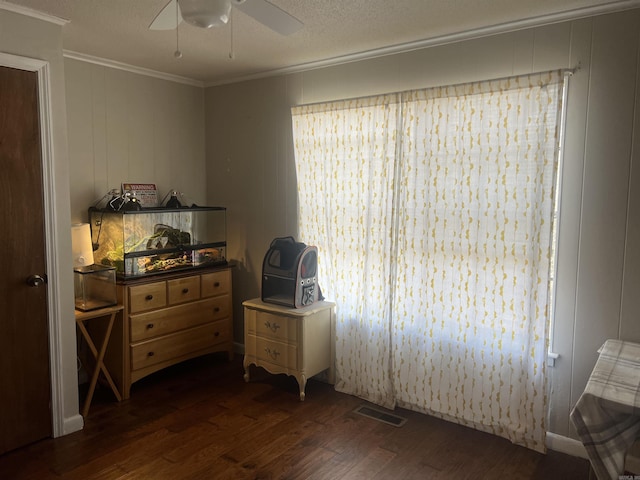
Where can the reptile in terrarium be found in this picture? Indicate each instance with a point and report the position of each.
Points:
(165, 236)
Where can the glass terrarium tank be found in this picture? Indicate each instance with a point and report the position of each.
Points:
(94, 286)
(156, 240)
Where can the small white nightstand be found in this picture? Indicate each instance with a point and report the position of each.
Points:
(294, 341)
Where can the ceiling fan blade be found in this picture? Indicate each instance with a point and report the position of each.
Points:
(166, 19)
(271, 16)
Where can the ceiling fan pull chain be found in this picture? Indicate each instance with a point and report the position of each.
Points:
(177, 53)
(231, 22)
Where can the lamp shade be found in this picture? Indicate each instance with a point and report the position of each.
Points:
(81, 246)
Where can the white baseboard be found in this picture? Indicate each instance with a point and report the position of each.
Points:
(576, 449)
(72, 424)
(566, 445)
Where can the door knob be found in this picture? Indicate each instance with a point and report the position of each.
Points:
(36, 280)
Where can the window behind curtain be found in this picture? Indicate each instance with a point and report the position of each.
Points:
(433, 211)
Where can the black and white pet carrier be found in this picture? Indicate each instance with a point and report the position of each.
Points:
(290, 273)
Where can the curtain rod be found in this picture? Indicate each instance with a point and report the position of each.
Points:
(564, 71)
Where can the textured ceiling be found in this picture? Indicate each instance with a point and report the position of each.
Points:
(117, 30)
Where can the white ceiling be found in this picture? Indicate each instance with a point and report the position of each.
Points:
(334, 31)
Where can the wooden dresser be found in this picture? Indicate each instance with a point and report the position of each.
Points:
(167, 319)
(295, 341)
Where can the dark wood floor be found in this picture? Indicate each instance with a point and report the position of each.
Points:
(200, 420)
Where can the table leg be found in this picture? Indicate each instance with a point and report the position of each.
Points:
(99, 363)
(246, 365)
(302, 382)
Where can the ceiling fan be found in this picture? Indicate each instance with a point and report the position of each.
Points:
(211, 13)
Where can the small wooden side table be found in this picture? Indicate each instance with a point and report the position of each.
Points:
(82, 317)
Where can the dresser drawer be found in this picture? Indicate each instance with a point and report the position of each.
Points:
(172, 319)
(183, 290)
(275, 327)
(220, 306)
(147, 296)
(216, 283)
(179, 344)
(276, 353)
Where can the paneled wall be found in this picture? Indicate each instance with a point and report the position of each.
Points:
(126, 127)
(250, 168)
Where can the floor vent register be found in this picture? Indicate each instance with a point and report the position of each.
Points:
(380, 415)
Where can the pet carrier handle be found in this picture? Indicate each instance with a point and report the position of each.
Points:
(288, 239)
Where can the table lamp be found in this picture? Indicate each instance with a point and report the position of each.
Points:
(81, 246)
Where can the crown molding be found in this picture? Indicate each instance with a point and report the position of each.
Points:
(131, 68)
(507, 27)
(532, 22)
(29, 12)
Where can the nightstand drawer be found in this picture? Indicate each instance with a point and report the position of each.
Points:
(147, 296)
(168, 320)
(179, 344)
(183, 290)
(216, 283)
(277, 353)
(275, 327)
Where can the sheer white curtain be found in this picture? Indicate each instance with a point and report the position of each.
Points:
(434, 225)
(346, 189)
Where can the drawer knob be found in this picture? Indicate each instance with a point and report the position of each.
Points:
(150, 354)
(149, 297)
(216, 334)
(216, 309)
(272, 353)
(149, 325)
(272, 326)
(185, 290)
(216, 284)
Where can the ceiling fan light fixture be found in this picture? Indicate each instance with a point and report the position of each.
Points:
(205, 13)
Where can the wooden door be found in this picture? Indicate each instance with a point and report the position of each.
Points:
(25, 411)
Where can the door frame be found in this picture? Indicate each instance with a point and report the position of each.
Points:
(42, 69)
